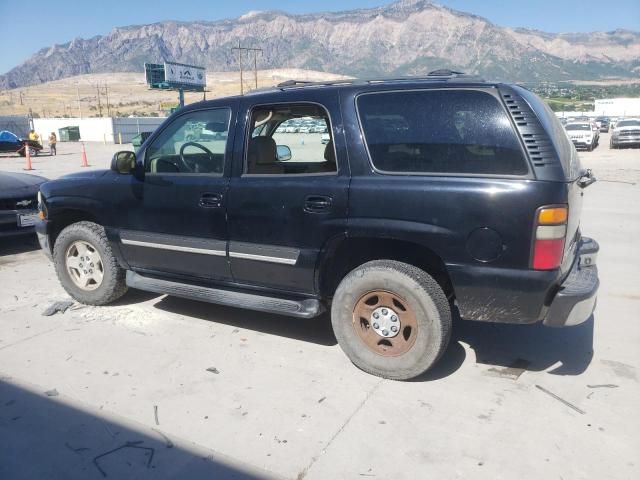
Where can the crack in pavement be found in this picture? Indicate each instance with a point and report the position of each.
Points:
(303, 473)
(28, 338)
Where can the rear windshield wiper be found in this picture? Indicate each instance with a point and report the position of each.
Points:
(586, 179)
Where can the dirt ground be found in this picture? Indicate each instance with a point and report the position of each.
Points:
(160, 387)
(120, 94)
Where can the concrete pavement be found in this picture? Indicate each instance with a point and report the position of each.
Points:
(286, 403)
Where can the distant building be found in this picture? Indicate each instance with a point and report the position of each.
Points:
(618, 107)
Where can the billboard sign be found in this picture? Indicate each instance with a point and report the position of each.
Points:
(180, 75)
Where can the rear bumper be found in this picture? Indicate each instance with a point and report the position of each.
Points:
(576, 299)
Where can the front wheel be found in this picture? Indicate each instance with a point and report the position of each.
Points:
(391, 319)
(86, 266)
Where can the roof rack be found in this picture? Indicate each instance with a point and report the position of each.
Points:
(435, 75)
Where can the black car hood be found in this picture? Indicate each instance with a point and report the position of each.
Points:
(13, 185)
(88, 174)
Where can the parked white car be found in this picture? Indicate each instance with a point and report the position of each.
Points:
(626, 132)
(582, 134)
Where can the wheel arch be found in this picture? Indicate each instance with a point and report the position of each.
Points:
(346, 253)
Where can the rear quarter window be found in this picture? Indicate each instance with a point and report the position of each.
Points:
(440, 132)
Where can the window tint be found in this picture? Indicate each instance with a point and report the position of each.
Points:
(440, 131)
(578, 126)
(290, 139)
(629, 123)
(192, 143)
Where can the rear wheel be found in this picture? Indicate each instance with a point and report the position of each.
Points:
(391, 319)
(33, 152)
(86, 266)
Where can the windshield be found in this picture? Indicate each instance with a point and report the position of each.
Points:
(6, 136)
(629, 123)
(578, 126)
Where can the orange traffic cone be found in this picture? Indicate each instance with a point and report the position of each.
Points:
(84, 157)
(27, 154)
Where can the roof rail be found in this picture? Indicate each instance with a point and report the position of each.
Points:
(444, 72)
(293, 83)
(436, 75)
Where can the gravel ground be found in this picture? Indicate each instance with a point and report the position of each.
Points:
(159, 387)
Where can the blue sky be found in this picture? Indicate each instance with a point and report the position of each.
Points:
(25, 27)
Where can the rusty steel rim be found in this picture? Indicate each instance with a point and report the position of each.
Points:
(385, 323)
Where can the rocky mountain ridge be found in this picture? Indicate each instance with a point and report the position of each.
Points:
(409, 37)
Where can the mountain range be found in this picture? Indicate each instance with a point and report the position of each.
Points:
(409, 37)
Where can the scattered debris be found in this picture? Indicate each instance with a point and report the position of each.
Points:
(166, 439)
(322, 399)
(136, 444)
(235, 330)
(51, 393)
(604, 385)
(570, 405)
(155, 414)
(513, 371)
(56, 307)
(213, 370)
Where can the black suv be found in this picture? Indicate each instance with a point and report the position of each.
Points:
(432, 194)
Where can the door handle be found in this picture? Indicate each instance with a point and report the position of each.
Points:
(317, 204)
(210, 200)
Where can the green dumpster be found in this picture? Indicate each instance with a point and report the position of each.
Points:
(69, 134)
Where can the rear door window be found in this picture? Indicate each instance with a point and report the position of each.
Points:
(440, 132)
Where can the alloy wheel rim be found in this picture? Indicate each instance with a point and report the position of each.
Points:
(84, 265)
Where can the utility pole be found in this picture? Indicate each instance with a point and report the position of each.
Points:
(99, 104)
(255, 63)
(106, 91)
(78, 97)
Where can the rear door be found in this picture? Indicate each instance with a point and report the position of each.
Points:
(283, 212)
(178, 226)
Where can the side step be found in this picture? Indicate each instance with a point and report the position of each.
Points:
(307, 308)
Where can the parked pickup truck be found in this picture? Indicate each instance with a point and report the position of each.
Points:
(432, 195)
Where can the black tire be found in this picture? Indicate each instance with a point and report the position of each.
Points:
(590, 147)
(421, 293)
(113, 284)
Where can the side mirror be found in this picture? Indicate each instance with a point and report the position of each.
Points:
(283, 153)
(123, 162)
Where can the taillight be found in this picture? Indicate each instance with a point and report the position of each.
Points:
(550, 234)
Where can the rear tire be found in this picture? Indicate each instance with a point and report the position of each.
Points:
(86, 266)
(405, 291)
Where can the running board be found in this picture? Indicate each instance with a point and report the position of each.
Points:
(302, 309)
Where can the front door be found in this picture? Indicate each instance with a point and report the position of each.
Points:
(179, 228)
(288, 194)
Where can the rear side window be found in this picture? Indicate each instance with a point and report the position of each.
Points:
(440, 131)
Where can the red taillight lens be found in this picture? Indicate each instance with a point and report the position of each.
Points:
(550, 233)
(547, 254)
